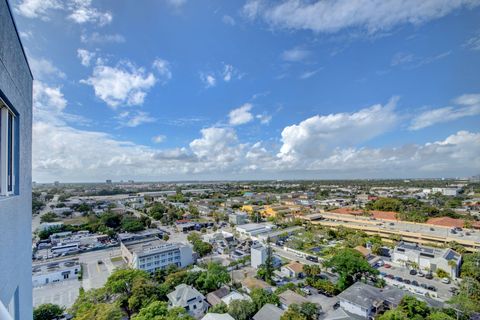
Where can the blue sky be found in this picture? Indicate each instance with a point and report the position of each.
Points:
(182, 89)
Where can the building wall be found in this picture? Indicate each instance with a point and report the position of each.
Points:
(352, 308)
(55, 276)
(16, 211)
(258, 256)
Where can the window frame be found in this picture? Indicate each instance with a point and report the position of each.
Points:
(8, 150)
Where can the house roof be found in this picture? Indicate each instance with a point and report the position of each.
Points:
(268, 312)
(364, 251)
(217, 316)
(182, 294)
(216, 296)
(366, 296)
(253, 283)
(295, 267)
(235, 296)
(289, 297)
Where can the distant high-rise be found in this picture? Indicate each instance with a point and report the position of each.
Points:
(108, 181)
(15, 173)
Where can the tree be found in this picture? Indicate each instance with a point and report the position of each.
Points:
(309, 310)
(132, 224)
(158, 310)
(47, 311)
(101, 311)
(48, 217)
(212, 279)
(393, 315)
(414, 308)
(312, 270)
(111, 220)
(292, 313)
(468, 298)
(442, 273)
(471, 266)
(438, 315)
(123, 283)
(265, 271)
(241, 309)
(350, 265)
(219, 308)
(260, 297)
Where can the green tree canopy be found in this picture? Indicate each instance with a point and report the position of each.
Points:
(47, 311)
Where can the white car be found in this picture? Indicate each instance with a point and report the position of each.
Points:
(445, 280)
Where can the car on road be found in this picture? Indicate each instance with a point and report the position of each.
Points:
(406, 281)
(336, 306)
(413, 272)
(312, 258)
(306, 291)
(429, 276)
(445, 280)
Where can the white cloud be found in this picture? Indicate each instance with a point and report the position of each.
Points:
(208, 80)
(159, 139)
(176, 3)
(411, 61)
(309, 74)
(331, 16)
(97, 38)
(240, 115)
(79, 11)
(82, 12)
(219, 145)
(316, 136)
(44, 69)
(467, 105)
(163, 68)
(85, 56)
(264, 118)
(124, 84)
(134, 119)
(295, 54)
(401, 58)
(228, 20)
(37, 8)
(473, 43)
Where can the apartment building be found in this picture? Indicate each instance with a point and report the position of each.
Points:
(428, 258)
(15, 173)
(154, 254)
(258, 255)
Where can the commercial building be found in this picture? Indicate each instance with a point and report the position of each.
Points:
(428, 258)
(258, 255)
(46, 273)
(188, 297)
(153, 254)
(15, 173)
(238, 218)
(253, 229)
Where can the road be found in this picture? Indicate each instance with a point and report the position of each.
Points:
(292, 256)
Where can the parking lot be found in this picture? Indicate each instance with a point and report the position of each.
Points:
(63, 293)
(442, 289)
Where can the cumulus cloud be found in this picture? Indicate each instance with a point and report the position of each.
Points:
(85, 56)
(228, 20)
(295, 54)
(219, 145)
(467, 105)
(208, 80)
(43, 69)
(159, 139)
(240, 115)
(163, 68)
(330, 16)
(316, 136)
(264, 118)
(124, 84)
(79, 11)
(100, 38)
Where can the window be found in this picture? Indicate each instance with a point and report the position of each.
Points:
(7, 150)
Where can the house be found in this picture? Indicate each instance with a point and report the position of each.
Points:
(215, 297)
(248, 284)
(363, 251)
(427, 258)
(188, 297)
(289, 297)
(292, 270)
(217, 316)
(365, 301)
(269, 312)
(234, 295)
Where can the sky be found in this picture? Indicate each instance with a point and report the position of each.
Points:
(157, 90)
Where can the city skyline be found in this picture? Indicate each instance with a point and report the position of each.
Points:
(177, 90)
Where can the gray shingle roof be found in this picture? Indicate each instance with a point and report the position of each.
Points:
(268, 312)
(182, 294)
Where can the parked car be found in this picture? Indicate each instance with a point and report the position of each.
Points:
(421, 274)
(390, 276)
(312, 258)
(432, 288)
(429, 276)
(399, 279)
(383, 274)
(386, 265)
(445, 280)
(380, 263)
(406, 281)
(413, 272)
(336, 306)
(415, 283)
(423, 285)
(306, 291)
